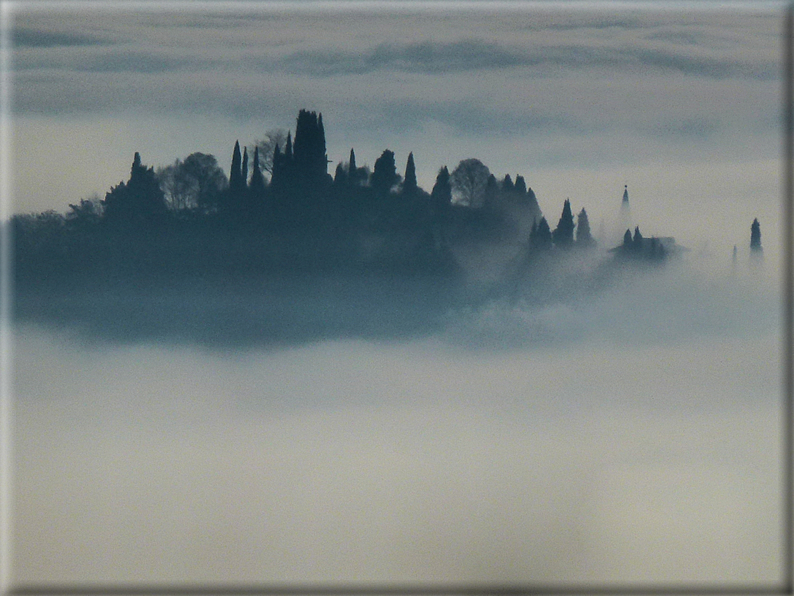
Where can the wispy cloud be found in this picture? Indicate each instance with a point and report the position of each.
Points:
(476, 54)
(34, 38)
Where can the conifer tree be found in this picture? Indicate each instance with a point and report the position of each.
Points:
(627, 239)
(384, 174)
(637, 243)
(583, 236)
(491, 193)
(520, 186)
(288, 150)
(257, 178)
(340, 175)
(507, 184)
(755, 237)
(236, 175)
(409, 182)
(352, 170)
(442, 189)
(139, 200)
(309, 154)
(540, 237)
(244, 172)
(563, 235)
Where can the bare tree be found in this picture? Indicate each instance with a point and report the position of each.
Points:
(195, 182)
(469, 181)
(267, 146)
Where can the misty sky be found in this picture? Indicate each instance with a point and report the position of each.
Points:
(681, 102)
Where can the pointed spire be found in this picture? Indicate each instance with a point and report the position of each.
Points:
(625, 194)
(244, 176)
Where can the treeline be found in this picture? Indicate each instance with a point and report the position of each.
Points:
(280, 209)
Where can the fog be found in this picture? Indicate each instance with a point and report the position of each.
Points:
(633, 434)
(578, 422)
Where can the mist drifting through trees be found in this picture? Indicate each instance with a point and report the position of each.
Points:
(301, 236)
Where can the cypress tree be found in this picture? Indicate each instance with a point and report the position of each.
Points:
(491, 192)
(236, 175)
(384, 174)
(353, 176)
(540, 237)
(563, 235)
(442, 189)
(520, 186)
(257, 178)
(583, 236)
(311, 160)
(288, 150)
(140, 200)
(244, 173)
(340, 175)
(755, 237)
(409, 183)
(507, 184)
(638, 241)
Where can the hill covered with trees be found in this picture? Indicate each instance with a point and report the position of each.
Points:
(358, 251)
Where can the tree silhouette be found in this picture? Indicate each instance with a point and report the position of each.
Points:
(755, 237)
(384, 174)
(244, 172)
(236, 182)
(340, 175)
(275, 137)
(563, 235)
(309, 154)
(583, 236)
(257, 178)
(469, 180)
(139, 200)
(491, 194)
(520, 186)
(410, 187)
(442, 189)
(637, 243)
(507, 184)
(540, 236)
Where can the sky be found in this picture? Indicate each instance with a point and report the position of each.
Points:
(681, 102)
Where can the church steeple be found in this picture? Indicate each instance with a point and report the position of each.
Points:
(625, 195)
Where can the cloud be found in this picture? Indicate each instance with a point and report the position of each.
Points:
(32, 38)
(423, 57)
(430, 57)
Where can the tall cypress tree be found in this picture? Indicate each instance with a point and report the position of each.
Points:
(244, 173)
(409, 183)
(352, 170)
(755, 237)
(563, 235)
(236, 175)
